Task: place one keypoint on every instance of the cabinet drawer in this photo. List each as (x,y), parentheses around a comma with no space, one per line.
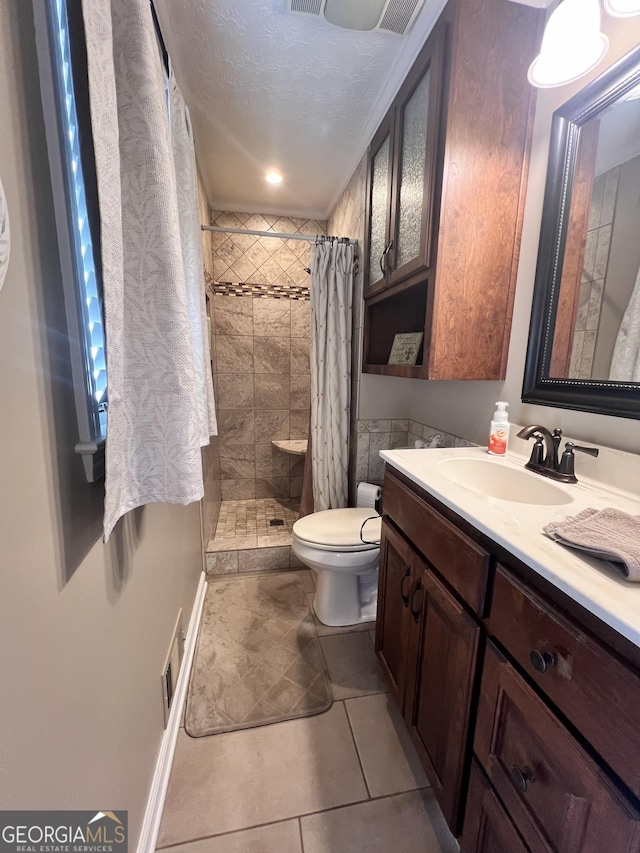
(595,690)
(460,561)
(487,827)
(558,797)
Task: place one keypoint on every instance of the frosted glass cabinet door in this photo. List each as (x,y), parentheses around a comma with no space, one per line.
(411,175)
(403,162)
(380,209)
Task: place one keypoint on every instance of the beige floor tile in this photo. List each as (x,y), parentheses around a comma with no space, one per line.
(388,757)
(330,630)
(406,823)
(307,580)
(241,779)
(353,667)
(275,838)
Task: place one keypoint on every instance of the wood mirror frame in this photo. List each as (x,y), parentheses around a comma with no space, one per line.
(590,395)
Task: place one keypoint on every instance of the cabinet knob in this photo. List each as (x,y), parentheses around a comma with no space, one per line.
(417,588)
(521,778)
(407,573)
(541,661)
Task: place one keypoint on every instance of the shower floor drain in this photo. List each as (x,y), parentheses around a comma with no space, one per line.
(276,522)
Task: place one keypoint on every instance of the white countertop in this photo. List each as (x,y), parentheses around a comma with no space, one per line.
(518,527)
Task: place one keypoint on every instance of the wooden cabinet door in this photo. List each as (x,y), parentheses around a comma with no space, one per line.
(487,828)
(417,131)
(438,711)
(396,582)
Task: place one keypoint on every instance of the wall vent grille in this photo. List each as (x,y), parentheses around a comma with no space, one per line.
(398,15)
(310,7)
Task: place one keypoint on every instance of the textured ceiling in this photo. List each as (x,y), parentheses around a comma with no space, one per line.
(270,89)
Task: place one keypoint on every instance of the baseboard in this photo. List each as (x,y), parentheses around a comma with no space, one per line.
(155,803)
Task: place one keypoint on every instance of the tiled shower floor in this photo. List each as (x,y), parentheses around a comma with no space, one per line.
(245,541)
(245,518)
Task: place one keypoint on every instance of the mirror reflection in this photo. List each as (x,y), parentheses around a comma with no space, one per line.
(597,329)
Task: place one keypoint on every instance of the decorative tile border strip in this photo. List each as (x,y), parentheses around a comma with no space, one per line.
(274,291)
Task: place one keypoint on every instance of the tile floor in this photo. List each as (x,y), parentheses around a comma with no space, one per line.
(240,519)
(346,781)
(244,540)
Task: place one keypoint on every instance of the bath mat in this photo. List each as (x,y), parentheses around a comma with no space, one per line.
(258,658)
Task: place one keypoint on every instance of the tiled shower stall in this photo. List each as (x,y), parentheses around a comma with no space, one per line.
(260,325)
(259,305)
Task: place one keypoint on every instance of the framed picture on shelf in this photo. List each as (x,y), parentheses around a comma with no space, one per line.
(405,348)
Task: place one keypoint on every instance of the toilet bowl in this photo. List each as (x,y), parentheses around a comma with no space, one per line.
(343,547)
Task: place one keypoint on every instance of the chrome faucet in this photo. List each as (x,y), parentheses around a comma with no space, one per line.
(544,460)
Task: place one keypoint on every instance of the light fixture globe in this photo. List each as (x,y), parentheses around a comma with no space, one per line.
(572,44)
(622,8)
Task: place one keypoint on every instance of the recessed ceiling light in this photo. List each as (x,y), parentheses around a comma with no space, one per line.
(273,177)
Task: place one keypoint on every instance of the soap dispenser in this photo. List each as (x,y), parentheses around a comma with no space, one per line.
(499,432)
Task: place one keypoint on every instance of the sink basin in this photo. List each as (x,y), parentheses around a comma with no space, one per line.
(495,479)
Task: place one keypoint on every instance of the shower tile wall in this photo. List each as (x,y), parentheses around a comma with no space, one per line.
(262,260)
(262,354)
(376,435)
(596,259)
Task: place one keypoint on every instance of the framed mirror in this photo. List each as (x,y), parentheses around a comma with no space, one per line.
(584,339)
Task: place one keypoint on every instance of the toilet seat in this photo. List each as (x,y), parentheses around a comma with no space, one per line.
(339,529)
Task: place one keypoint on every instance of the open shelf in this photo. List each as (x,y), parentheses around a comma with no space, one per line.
(391,314)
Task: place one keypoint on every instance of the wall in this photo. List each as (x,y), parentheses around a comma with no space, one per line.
(464,408)
(84,627)
(261,323)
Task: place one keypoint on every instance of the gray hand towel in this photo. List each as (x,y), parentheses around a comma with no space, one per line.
(608,533)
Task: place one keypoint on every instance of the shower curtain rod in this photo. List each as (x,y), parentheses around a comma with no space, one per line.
(268,234)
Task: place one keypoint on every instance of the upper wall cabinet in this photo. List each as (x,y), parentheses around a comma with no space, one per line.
(447,178)
(401,174)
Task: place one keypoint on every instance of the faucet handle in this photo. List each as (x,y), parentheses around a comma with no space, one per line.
(590,451)
(566,467)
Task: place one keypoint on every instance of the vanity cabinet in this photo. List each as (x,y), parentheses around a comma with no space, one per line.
(526,721)
(445,196)
(428,634)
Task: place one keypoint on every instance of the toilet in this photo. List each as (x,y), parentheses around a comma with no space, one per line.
(331,543)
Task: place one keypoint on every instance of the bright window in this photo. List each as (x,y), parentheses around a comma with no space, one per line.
(63,82)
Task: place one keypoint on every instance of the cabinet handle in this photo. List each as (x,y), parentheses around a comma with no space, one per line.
(405,598)
(541,661)
(383,258)
(417,588)
(521,778)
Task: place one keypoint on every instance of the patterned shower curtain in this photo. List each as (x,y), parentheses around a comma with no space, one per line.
(331,310)
(159,382)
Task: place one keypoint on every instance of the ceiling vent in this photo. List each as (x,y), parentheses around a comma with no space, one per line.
(395,16)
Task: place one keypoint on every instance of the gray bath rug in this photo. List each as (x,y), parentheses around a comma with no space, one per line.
(257,659)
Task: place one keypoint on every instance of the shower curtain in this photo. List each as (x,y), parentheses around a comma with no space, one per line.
(331,311)
(159,382)
(625,362)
